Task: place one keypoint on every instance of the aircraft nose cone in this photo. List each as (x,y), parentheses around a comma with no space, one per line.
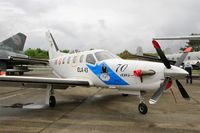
(175,73)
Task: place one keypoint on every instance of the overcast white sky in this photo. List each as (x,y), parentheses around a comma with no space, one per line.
(114,25)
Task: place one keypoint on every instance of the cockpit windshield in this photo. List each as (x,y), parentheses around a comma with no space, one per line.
(103,55)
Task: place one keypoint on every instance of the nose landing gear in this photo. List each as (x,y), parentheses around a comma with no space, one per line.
(142,107)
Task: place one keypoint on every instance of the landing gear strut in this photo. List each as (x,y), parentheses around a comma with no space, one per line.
(52,99)
(142,107)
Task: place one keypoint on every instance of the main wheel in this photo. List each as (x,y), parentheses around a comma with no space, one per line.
(125,95)
(52,101)
(21,73)
(142,108)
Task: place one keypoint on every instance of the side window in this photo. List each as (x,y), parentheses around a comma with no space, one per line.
(68,60)
(90,59)
(63,60)
(81,59)
(188,57)
(74,59)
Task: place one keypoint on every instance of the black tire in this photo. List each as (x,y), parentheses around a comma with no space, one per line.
(125,95)
(143,109)
(21,73)
(52,101)
(12,73)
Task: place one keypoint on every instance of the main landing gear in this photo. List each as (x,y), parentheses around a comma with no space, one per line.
(52,99)
(142,107)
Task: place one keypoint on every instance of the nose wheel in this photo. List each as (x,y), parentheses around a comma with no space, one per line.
(142,108)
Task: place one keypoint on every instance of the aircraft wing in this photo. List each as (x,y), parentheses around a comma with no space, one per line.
(41,82)
(193,37)
(25,61)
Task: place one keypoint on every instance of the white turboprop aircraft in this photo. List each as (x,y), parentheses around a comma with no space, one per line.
(100,68)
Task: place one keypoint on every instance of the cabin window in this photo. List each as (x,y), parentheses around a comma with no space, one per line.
(90,59)
(63,60)
(81,59)
(189,58)
(68,60)
(74,59)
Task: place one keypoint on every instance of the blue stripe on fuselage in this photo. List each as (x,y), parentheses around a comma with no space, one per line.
(111,78)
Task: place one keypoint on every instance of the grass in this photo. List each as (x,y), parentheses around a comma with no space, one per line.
(195,71)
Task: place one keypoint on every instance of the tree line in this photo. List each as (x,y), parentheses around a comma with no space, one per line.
(40,53)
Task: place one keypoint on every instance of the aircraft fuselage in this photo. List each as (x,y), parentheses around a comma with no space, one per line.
(110,73)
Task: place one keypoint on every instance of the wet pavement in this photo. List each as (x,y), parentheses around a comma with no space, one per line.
(96,110)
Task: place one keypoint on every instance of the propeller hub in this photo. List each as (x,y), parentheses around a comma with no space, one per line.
(175,72)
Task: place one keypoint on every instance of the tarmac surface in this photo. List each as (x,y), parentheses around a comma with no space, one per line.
(95,110)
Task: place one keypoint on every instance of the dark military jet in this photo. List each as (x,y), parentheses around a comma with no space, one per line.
(12,58)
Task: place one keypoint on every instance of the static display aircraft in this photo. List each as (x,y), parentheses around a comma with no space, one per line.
(193,57)
(12,58)
(100,68)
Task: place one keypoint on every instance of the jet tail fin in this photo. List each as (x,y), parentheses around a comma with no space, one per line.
(53,48)
(16,42)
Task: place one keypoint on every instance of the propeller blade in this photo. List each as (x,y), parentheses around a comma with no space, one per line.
(159,92)
(183,56)
(182,90)
(161,54)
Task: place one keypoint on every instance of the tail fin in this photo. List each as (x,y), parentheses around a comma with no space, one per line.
(53,48)
(16,42)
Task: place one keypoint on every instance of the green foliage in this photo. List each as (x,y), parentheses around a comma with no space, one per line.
(37,53)
(195,44)
(125,54)
(65,51)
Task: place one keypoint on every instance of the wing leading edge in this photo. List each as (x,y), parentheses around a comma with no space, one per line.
(41,82)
